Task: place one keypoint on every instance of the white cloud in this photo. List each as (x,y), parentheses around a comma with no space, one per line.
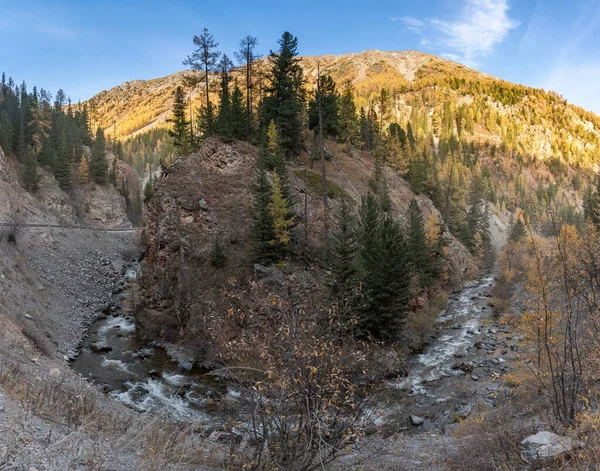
(482,25)
(424,42)
(411,23)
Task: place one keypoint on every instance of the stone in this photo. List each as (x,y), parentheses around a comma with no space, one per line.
(416,420)
(269,275)
(475,377)
(154,374)
(185,365)
(100,347)
(545,445)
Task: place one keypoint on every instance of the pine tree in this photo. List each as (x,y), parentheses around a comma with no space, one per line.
(284,96)
(84,170)
(476,232)
(224,125)
(217,253)
(246,56)
(274,157)
(281,217)
(378,185)
(62,163)
(518,231)
(417,242)
(98,164)
(239,116)
(149,189)
(205,58)
(30,175)
(180,132)
(342,253)
(349,131)
(329,98)
(383,271)
(262,226)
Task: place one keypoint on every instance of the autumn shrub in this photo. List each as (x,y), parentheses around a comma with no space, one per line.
(303,382)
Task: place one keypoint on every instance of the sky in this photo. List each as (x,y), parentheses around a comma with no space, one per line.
(86,46)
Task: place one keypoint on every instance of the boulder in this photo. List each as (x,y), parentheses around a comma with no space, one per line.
(185,365)
(269,275)
(100,347)
(545,445)
(416,420)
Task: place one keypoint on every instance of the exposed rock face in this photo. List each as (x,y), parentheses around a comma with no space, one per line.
(545,445)
(55,200)
(102,205)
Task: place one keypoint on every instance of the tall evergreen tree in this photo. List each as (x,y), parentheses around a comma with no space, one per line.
(239,116)
(342,252)
(205,58)
(384,272)
(284,95)
(349,131)
(329,101)
(262,226)
(417,242)
(246,56)
(224,125)
(99,164)
(180,132)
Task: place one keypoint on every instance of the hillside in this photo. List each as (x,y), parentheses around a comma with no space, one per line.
(532,122)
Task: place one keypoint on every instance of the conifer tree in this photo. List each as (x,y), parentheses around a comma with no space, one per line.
(284,95)
(224,124)
(30,175)
(99,164)
(417,242)
(217,253)
(518,231)
(281,217)
(84,170)
(205,58)
(246,56)
(180,132)
(349,130)
(149,189)
(378,185)
(342,252)
(62,164)
(239,116)
(262,226)
(329,102)
(384,272)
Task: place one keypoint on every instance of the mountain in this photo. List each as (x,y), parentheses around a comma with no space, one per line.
(532,122)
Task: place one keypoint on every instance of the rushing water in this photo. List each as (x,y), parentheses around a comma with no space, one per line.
(146,378)
(456,326)
(140,375)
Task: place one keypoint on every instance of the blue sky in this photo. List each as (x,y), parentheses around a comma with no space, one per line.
(87,46)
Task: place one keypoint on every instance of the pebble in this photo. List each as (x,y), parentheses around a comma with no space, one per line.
(475,377)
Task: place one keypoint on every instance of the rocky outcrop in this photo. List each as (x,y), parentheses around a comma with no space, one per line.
(102,205)
(544,446)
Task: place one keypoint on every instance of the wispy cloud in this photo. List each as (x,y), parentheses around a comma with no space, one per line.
(482,25)
(410,23)
(58,32)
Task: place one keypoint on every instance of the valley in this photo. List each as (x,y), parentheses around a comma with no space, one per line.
(376,261)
